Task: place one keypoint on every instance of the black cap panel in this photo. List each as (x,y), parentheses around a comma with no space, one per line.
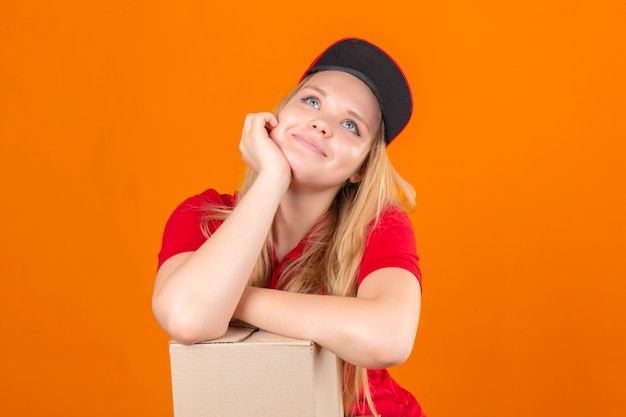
(379,71)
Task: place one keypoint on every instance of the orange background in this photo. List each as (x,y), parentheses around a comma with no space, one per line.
(112,112)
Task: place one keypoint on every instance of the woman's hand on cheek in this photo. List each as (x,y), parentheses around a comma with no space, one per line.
(258,150)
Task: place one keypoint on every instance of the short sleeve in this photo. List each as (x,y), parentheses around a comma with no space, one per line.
(183,230)
(390,243)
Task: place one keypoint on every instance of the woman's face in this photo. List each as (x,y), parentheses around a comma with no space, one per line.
(326,129)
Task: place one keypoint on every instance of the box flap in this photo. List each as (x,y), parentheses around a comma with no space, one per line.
(233,335)
(267,338)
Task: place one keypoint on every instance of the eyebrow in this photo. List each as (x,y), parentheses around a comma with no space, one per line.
(352,113)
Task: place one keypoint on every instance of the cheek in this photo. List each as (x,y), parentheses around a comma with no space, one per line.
(286,119)
(289,114)
(350,160)
(352,150)
(360,157)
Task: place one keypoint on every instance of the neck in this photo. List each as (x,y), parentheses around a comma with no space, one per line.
(296,216)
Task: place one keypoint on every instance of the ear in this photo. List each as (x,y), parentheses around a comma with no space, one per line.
(355,178)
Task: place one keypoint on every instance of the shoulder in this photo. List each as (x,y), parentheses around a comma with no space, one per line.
(193,209)
(390,243)
(208,198)
(393,220)
(183,230)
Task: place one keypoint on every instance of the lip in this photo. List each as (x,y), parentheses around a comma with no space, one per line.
(309,143)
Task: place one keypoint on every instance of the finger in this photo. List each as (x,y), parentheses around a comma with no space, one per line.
(272,121)
(248,123)
(266,121)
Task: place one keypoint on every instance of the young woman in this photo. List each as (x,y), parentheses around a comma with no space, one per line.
(316,244)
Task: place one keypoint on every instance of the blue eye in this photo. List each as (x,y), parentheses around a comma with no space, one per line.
(351,126)
(312,101)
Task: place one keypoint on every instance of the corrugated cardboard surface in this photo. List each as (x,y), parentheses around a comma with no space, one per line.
(249,373)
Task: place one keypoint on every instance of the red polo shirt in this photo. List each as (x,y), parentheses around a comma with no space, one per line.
(390,244)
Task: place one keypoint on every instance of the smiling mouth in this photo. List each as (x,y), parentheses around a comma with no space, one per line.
(310,144)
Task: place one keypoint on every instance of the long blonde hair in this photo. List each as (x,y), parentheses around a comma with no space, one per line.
(332,255)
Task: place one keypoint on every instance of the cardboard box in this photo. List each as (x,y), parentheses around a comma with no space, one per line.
(255,373)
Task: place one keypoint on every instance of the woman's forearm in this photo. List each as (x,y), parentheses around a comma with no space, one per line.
(372,332)
(195,297)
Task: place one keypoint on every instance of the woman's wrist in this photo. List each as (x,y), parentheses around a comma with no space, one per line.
(278,179)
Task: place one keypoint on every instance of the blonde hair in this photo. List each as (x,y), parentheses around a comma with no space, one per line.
(332,255)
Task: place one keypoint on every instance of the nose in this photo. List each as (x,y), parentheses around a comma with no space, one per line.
(321,126)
